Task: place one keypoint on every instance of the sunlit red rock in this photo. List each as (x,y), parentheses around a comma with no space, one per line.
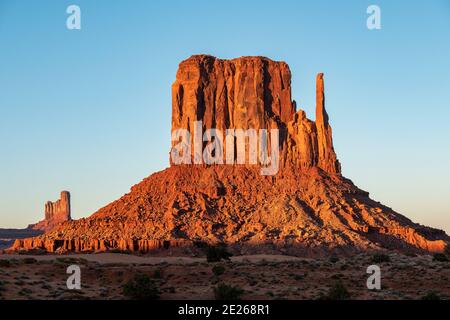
(308,207)
(55,212)
(252,93)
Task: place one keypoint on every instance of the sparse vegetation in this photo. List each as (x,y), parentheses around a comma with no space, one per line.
(447,249)
(299,277)
(25,292)
(29,261)
(5,263)
(380,258)
(440,257)
(338,292)
(217,253)
(334,259)
(227,292)
(141,287)
(157,274)
(431,296)
(218,270)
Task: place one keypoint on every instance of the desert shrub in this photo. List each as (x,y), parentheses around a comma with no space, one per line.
(200,244)
(157,274)
(25,292)
(431,296)
(217,253)
(338,292)
(218,270)
(440,257)
(5,263)
(29,260)
(227,292)
(299,276)
(380,257)
(447,249)
(334,259)
(141,287)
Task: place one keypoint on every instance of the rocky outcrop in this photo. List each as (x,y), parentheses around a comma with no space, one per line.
(307,208)
(60,209)
(96,245)
(299,212)
(55,212)
(252,93)
(326,156)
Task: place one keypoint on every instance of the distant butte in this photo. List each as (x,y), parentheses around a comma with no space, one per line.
(55,212)
(308,208)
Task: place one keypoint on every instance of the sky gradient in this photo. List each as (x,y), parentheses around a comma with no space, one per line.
(89,110)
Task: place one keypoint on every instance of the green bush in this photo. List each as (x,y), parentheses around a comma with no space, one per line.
(440,257)
(380,257)
(227,292)
(218,270)
(216,254)
(338,292)
(431,296)
(141,287)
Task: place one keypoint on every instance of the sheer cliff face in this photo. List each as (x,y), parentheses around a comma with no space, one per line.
(59,210)
(55,212)
(253,93)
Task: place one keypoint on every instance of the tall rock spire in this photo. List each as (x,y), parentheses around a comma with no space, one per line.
(327,159)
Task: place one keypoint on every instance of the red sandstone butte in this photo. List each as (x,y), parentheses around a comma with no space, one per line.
(55,212)
(307,208)
(252,92)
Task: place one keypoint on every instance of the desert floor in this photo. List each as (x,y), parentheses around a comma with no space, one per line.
(260,276)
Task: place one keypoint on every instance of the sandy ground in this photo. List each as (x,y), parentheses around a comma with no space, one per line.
(104,275)
(104,258)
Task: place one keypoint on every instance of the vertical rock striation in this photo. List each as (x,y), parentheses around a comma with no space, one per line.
(55,212)
(252,93)
(60,209)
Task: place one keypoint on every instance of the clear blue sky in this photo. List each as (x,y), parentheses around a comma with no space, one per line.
(89,110)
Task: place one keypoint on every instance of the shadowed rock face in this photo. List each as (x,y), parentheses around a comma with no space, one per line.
(307,208)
